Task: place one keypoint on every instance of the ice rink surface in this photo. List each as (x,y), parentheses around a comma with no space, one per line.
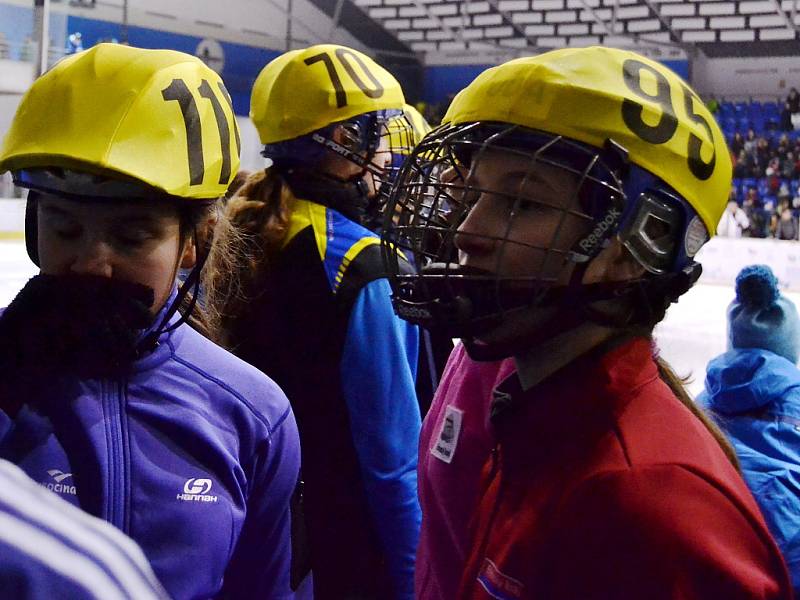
(692,334)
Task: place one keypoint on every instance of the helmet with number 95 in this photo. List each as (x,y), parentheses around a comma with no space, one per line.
(583,145)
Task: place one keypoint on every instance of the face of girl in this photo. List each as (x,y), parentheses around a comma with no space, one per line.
(520,225)
(135,242)
(345,169)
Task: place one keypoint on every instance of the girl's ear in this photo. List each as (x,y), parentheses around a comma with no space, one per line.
(189,256)
(204,234)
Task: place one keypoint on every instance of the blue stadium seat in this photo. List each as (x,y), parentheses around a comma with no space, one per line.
(726,109)
(771,110)
(748,182)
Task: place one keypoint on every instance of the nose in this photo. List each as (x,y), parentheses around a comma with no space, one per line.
(474,235)
(93,258)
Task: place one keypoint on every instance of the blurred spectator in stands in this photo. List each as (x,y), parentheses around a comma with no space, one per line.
(793,101)
(773,175)
(763,154)
(74,43)
(783,146)
(737,143)
(742,164)
(788,166)
(733,221)
(756,216)
(786,118)
(750,141)
(793,105)
(27,51)
(784,224)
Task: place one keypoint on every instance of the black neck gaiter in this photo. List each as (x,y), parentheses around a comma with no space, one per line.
(73,325)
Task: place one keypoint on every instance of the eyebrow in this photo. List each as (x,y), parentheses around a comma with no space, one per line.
(523,177)
(122,218)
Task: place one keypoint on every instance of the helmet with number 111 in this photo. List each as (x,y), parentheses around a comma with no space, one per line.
(568,150)
(123,124)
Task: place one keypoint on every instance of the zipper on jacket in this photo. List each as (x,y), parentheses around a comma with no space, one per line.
(113,400)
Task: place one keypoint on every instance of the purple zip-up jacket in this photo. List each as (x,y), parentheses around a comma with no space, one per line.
(195,456)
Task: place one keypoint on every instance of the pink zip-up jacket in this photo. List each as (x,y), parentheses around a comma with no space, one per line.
(454,445)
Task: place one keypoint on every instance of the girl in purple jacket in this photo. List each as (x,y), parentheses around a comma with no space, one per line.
(107,396)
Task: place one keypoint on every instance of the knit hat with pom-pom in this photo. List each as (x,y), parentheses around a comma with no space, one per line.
(760,317)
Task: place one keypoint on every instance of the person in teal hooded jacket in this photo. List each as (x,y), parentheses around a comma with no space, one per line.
(754,391)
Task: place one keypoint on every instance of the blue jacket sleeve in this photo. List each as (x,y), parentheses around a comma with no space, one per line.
(378,373)
(261,561)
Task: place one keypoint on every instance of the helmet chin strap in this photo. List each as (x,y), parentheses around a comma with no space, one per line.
(190,284)
(640,303)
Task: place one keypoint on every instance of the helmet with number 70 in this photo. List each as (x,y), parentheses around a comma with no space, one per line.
(325,101)
(573,147)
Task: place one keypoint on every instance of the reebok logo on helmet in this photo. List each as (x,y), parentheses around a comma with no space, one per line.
(590,242)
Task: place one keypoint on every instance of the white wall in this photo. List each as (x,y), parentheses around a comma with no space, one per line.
(740,78)
(251,146)
(15,78)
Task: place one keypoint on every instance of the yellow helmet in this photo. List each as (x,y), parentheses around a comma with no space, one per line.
(158,117)
(642,163)
(305,90)
(407,130)
(593,94)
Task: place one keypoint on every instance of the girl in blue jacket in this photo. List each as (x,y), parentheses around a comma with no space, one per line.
(107,396)
(754,389)
(308,303)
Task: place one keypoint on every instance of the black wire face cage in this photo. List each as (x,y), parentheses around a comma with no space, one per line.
(396,140)
(543,205)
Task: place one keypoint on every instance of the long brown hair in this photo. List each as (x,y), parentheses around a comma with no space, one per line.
(248,235)
(678,387)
